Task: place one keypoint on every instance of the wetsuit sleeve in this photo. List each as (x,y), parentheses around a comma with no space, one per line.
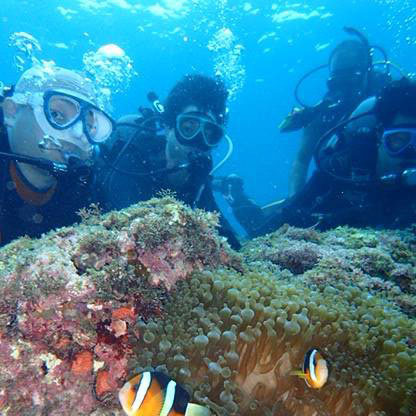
(299,210)
(248,214)
(207,202)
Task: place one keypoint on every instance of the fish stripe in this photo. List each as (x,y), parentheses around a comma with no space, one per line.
(194,409)
(153,401)
(142,390)
(312,366)
(169,398)
(127,394)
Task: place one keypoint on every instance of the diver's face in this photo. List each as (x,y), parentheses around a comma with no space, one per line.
(348,75)
(395,164)
(178,150)
(346,82)
(25,136)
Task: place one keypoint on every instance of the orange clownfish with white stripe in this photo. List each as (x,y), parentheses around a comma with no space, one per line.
(152,393)
(315,369)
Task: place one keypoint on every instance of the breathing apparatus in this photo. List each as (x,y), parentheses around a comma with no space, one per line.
(62,102)
(304,114)
(58,130)
(353,144)
(151,121)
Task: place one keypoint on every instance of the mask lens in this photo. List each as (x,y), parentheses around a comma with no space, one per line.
(397,141)
(97,125)
(189,126)
(344,80)
(213,133)
(61,111)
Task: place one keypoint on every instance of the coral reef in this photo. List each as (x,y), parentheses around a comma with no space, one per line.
(154,287)
(69,302)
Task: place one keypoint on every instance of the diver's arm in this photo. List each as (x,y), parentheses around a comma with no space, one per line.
(246,211)
(303,159)
(207,202)
(249,215)
(300,210)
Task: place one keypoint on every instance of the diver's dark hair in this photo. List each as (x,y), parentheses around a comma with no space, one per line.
(398,97)
(207,93)
(353,48)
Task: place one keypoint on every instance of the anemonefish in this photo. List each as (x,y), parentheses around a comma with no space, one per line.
(315,369)
(152,393)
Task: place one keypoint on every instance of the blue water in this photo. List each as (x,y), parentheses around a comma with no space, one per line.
(280,41)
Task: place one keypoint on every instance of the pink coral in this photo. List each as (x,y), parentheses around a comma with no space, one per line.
(167,264)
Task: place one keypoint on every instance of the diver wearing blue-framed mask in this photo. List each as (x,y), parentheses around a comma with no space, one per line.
(52,124)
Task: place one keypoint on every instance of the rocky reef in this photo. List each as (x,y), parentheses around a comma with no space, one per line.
(154,287)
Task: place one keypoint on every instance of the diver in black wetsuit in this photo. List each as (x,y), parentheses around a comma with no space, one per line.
(50,124)
(168,148)
(352,78)
(366,169)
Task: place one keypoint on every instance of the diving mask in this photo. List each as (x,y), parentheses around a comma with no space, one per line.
(345,80)
(400,140)
(198,130)
(67,116)
(63,110)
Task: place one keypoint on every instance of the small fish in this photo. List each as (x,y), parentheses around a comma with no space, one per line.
(152,393)
(315,369)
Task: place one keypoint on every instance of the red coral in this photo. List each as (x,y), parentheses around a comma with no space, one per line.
(82,363)
(103,384)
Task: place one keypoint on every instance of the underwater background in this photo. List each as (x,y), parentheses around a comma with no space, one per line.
(261,48)
(85,308)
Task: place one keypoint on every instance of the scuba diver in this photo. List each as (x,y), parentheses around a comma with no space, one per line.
(50,124)
(168,147)
(366,169)
(352,78)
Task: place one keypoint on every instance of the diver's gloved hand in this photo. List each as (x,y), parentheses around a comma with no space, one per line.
(300,117)
(295,120)
(231,186)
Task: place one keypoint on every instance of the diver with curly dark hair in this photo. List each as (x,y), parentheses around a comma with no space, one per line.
(168,147)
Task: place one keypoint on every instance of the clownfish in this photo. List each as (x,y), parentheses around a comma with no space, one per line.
(314,370)
(152,393)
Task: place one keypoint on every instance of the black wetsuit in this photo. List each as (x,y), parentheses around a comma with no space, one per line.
(24,210)
(145,160)
(337,106)
(326,202)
